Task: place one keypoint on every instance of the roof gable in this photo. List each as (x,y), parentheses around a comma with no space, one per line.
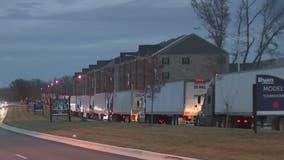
(191,44)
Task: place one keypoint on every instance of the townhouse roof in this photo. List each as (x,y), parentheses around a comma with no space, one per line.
(148,49)
(125,56)
(190,44)
(128,54)
(101,63)
(85,70)
(93,66)
(76,74)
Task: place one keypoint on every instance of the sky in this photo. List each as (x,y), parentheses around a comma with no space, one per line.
(45,39)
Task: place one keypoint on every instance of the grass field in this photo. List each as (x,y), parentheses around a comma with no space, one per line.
(196,142)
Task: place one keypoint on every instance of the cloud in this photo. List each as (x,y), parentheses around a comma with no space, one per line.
(47,38)
(40,8)
(6,58)
(100,28)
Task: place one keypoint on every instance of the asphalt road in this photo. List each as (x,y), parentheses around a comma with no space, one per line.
(14,146)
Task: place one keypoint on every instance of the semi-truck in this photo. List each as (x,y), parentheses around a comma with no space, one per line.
(102,105)
(176,102)
(127,105)
(98,106)
(232,101)
(74,106)
(79,104)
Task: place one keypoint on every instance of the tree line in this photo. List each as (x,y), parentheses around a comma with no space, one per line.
(21,89)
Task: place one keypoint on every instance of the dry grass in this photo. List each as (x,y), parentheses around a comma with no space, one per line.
(196,142)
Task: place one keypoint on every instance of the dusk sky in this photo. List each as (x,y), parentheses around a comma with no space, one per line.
(51,38)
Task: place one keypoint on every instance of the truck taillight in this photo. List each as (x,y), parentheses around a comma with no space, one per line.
(246,121)
(185,116)
(161,121)
(238,121)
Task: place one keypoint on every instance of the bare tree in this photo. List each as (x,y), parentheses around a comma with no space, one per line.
(272,26)
(153,77)
(215,16)
(66,85)
(267,22)
(238,40)
(244,40)
(26,88)
(248,22)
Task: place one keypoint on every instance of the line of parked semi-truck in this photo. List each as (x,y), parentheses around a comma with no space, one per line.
(174,103)
(226,100)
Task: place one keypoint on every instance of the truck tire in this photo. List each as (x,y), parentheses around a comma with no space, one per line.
(127,119)
(220,123)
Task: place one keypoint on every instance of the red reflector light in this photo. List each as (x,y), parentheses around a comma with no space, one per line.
(199,80)
(238,121)
(161,121)
(246,121)
(185,116)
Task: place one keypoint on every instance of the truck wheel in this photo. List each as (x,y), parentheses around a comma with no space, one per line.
(127,119)
(220,122)
(281,124)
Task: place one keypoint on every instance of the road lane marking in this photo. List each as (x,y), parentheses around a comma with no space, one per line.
(21,156)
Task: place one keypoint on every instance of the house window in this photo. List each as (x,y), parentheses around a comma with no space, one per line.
(165,60)
(165,75)
(185,60)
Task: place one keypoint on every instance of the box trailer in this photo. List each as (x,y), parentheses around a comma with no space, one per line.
(101,105)
(176,102)
(73,105)
(127,105)
(230,99)
(85,106)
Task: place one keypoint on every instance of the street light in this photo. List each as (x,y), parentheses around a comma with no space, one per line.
(79,78)
(55,84)
(82,109)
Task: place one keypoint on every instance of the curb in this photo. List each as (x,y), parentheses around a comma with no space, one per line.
(129,152)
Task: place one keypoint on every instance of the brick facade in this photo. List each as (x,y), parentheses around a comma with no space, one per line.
(184,58)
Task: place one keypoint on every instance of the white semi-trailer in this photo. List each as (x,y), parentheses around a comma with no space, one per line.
(231,97)
(73,104)
(127,105)
(101,105)
(176,102)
